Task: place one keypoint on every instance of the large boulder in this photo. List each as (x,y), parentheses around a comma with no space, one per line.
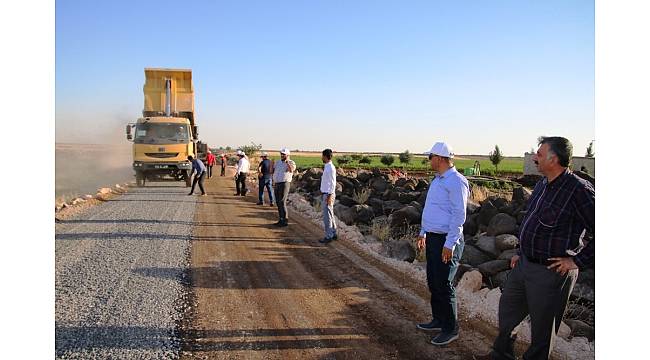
(348,185)
(313,173)
(344,214)
(379,184)
(493,267)
(471,281)
(487,212)
(404,197)
(487,244)
(408,215)
(362,213)
(416,205)
(347,200)
(581,329)
(507,255)
(471,225)
(423,198)
(521,195)
(500,203)
(422,185)
(377,205)
(472,207)
(473,256)
(499,279)
(400,250)
(364,175)
(502,224)
(506,242)
(585,292)
(391,206)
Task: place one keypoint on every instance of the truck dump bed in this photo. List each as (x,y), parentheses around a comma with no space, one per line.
(182,93)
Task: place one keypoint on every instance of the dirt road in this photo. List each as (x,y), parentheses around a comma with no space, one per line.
(263,292)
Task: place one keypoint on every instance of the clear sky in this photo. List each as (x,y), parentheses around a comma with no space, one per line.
(350,75)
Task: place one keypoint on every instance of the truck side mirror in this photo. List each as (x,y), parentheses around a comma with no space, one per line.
(128,133)
(196,132)
(129,137)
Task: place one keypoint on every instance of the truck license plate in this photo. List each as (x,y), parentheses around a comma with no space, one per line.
(160,166)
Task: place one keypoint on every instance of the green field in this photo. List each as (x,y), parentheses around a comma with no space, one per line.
(508,165)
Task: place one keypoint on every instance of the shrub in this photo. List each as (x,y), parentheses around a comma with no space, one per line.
(362,196)
(380,229)
(405,157)
(425,160)
(387,159)
(356,157)
(251,150)
(365,160)
(342,160)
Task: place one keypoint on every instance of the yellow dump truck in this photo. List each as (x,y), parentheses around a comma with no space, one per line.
(167,132)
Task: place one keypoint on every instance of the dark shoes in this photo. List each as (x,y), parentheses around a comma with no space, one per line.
(325,240)
(260,203)
(271,204)
(444,338)
(281,223)
(434,325)
(237,194)
(190,194)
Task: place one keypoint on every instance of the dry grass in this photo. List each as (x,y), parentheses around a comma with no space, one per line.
(381,230)
(362,196)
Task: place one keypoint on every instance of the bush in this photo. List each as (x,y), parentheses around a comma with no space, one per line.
(425,160)
(356,157)
(387,159)
(405,157)
(365,160)
(342,160)
(251,150)
(381,230)
(362,196)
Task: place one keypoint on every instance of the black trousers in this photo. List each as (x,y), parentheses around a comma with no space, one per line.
(223,170)
(532,289)
(198,179)
(281,194)
(209,171)
(440,279)
(240,184)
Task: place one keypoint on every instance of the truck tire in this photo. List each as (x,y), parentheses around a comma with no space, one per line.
(188,181)
(139,179)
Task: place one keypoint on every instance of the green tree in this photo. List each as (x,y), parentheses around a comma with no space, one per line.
(405,157)
(342,160)
(496,156)
(356,157)
(387,159)
(590,150)
(251,150)
(365,160)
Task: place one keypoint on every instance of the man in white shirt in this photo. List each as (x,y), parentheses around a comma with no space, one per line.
(328,189)
(282,174)
(442,236)
(243,166)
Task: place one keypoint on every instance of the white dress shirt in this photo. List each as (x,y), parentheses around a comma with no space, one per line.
(328,180)
(243,166)
(280,173)
(445,208)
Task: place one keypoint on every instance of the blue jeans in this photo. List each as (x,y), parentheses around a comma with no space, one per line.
(268,185)
(328,218)
(440,278)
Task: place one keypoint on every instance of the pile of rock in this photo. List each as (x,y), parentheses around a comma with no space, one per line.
(490,229)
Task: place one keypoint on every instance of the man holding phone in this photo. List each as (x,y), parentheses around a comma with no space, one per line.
(282,175)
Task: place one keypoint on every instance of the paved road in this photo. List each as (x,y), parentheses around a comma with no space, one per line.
(108,302)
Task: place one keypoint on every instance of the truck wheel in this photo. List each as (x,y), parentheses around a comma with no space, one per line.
(139,179)
(188,181)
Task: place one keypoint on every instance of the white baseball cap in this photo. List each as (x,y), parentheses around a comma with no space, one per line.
(441,149)
(240,153)
(264,154)
(285,151)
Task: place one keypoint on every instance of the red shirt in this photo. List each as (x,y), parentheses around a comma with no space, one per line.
(210,159)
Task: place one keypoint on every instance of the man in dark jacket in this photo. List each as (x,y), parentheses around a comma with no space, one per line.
(198,169)
(265,171)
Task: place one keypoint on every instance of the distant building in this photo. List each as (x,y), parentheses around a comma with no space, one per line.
(577,162)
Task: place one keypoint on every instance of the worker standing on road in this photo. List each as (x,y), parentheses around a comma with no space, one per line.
(282,174)
(265,172)
(210,158)
(442,236)
(224,160)
(243,167)
(198,169)
(328,189)
(551,251)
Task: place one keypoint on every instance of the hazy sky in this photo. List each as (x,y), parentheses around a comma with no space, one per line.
(350,75)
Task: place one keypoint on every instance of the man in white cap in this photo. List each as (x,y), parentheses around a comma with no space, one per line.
(243,166)
(264,171)
(282,175)
(442,236)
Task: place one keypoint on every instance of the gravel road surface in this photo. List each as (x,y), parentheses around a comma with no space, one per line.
(110,303)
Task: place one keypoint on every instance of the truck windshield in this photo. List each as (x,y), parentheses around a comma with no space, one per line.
(161,133)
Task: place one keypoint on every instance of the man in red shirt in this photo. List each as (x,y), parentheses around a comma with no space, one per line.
(210,160)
